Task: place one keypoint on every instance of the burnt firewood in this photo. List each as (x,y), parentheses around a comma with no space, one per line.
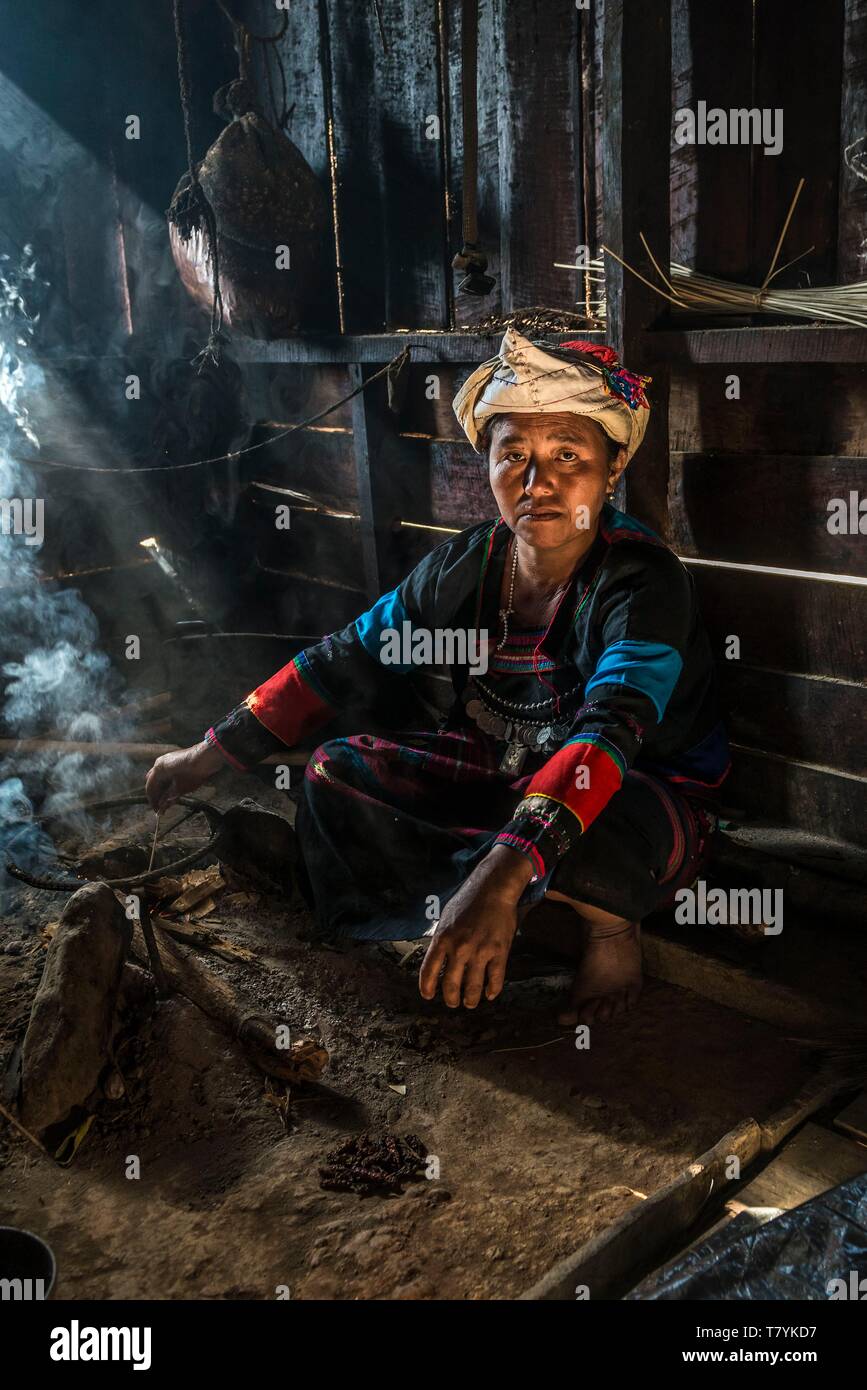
(260,1034)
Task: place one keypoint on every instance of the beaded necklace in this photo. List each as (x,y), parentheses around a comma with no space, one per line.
(536,725)
(506,613)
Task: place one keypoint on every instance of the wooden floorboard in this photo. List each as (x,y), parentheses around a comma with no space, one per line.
(853,1120)
(814,1161)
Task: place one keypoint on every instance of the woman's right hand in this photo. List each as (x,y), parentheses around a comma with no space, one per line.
(180,772)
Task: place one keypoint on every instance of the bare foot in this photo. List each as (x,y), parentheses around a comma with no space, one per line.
(609,976)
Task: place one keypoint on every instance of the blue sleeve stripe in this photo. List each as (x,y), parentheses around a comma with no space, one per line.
(389,612)
(650,667)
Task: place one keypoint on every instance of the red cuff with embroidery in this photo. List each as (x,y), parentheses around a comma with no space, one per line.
(582,776)
(562,799)
(288,704)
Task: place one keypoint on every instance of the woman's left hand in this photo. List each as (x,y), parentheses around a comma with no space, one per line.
(475,933)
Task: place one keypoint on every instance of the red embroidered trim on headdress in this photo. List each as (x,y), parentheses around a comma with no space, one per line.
(620,382)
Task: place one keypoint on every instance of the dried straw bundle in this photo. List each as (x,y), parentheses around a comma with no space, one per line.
(689,289)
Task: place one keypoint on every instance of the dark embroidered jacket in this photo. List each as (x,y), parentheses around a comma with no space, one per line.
(625,659)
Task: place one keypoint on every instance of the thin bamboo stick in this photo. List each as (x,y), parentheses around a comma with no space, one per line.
(695,292)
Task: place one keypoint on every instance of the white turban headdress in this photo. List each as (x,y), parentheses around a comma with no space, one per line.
(531,379)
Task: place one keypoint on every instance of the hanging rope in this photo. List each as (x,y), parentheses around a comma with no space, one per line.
(394,370)
(471,258)
(190,208)
(257,38)
(281,115)
(269,44)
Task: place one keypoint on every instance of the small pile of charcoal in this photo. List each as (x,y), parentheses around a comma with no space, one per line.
(368,1164)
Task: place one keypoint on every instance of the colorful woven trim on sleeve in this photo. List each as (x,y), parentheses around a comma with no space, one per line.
(287,704)
(582,776)
(214,742)
(506,837)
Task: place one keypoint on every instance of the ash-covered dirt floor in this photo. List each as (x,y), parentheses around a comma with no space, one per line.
(540,1145)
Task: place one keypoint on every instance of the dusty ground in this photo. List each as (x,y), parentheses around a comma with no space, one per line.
(540,1146)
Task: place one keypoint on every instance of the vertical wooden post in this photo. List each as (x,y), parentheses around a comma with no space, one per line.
(538,72)
(852,213)
(636,142)
(365,441)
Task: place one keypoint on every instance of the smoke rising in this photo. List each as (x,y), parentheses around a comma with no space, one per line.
(56,680)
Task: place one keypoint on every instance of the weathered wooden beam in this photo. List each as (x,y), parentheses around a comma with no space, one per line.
(797,793)
(814,1161)
(709,519)
(236,1013)
(811,626)
(366,437)
(138,752)
(780,343)
(811,718)
(609,1264)
(790,46)
(744,990)
(636,140)
(604,1264)
(853,1120)
(852,205)
(821,879)
(470,308)
(711,185)
(388,188)
(56,748)
(539,150)
(315,349)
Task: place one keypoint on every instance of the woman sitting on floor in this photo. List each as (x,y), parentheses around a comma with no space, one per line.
(583,750)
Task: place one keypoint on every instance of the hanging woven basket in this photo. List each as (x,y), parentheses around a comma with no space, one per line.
(265,197)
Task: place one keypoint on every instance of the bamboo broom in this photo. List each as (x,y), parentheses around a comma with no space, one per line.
(691,290)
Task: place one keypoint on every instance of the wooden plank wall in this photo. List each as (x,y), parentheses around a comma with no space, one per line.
(852,211)
(796,690)
(703,177)
(397,150)
(751,478)
(729,201)
(397,208)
